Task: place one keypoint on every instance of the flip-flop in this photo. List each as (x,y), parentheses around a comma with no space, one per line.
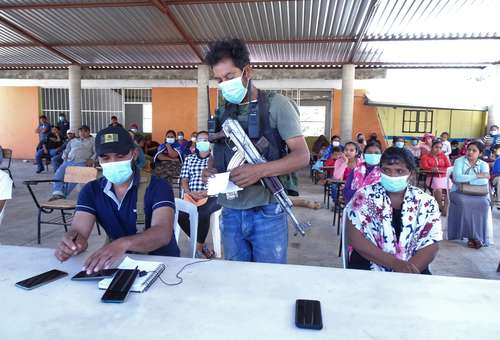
(209,253)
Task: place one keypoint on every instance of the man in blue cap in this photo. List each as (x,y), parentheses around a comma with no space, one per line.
(118,201)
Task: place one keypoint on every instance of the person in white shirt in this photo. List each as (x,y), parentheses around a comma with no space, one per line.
(5,192)
(446,144)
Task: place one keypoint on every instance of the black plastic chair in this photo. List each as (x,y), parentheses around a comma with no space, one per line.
(63,208)
(7,155)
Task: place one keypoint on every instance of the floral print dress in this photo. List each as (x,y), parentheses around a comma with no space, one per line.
(370,212)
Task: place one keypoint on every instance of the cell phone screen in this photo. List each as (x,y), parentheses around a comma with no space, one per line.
(95,276)
(41,279)
(308,314)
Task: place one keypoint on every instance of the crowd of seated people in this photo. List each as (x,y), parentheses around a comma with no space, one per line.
(469,174)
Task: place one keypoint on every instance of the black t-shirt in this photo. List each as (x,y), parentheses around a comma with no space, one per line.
(52,142)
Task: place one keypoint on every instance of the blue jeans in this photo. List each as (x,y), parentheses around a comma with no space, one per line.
(61,188)
(57,161)
(258,235)
(38,157)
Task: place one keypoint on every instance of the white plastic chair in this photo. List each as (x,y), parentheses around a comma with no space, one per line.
(216,235)
(192,210)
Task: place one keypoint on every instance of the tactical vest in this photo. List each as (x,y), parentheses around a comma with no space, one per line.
(256,125)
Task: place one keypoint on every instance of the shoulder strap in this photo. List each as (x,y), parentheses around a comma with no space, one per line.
(144,181)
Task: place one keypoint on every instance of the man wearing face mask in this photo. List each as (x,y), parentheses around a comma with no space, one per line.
(491,139)
(254,225)
(120,200)
(392,225)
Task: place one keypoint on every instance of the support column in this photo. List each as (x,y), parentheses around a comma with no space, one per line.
(203,107)
(75,108)
(347,104)
(494,107)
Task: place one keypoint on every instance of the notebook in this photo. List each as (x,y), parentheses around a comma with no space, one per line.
(141,284)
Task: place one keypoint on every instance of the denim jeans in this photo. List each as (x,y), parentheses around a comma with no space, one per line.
(38,157)
(57,161)
(258,235)
(61,188)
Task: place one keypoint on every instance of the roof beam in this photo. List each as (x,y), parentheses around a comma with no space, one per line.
(35,40)
(364,26)
(274,64)
(249,42)
(76,5)
(168,13)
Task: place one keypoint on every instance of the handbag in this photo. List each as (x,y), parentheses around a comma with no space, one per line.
(473,190)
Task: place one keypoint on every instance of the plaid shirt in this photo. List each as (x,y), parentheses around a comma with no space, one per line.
(191,169)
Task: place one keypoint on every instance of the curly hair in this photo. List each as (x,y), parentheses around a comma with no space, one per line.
(235,49)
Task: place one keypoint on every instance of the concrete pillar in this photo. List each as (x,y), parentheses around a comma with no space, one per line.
(494,107)
(75,105)
(347,104)
(203,107)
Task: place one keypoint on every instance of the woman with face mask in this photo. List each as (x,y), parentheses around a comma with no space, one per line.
(392,225)
(435,165)
(168,160)
(195,191)
(365,174)
(470,214)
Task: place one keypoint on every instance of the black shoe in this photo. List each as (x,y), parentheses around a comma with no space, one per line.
(39,171)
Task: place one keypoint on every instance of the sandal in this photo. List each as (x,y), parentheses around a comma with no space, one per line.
(477,244)
(209,253)
(471,244)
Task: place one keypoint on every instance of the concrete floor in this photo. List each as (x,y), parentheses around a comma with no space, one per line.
(318,248)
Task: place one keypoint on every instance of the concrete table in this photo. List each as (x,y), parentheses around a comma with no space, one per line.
(234,300)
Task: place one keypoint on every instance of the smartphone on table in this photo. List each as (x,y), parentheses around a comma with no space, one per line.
(41,279)
(102,274)
(120,286)
(308,314)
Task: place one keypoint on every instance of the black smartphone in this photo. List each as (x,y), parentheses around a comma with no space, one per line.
(102,274)
(41,279)
(120,286)
(308,314)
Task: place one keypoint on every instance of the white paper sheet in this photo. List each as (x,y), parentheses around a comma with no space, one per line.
(220,184)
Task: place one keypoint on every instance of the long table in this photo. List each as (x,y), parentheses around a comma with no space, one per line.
(235,300)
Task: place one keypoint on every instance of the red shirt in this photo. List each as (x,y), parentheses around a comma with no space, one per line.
(329,162)
(429,162)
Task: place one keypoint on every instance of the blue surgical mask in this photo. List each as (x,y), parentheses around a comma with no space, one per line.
(170,140)
(414,142)
(233,90)
(117,172)
(400,145)
(493,132)
(203,146)
(394,184)
(372,158)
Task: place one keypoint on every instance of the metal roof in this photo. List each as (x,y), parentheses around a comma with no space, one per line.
(296,33)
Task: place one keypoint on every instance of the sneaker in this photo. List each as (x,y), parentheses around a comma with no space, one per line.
(56,197)
(39,171)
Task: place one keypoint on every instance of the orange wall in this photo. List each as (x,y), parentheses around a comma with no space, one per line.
(19,110)
(365,118)
(175,108)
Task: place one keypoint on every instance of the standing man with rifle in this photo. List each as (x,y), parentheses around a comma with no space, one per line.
(254,226)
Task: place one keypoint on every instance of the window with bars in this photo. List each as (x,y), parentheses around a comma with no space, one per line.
(417,121)
(98,105)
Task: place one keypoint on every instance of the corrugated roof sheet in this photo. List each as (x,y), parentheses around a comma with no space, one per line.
(435,18)
(295,31)
(272,20)
(7,36)
(77,25)
(131,54)
(28,55)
